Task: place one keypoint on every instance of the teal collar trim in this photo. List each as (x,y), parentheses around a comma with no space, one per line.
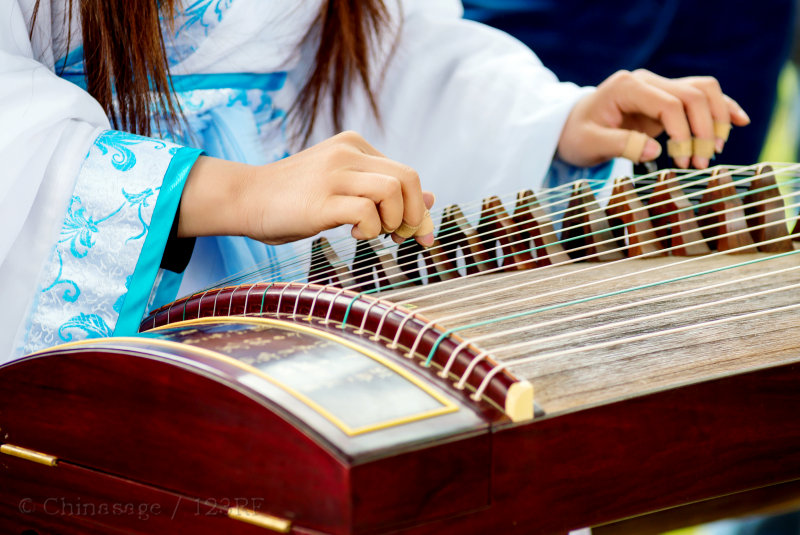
(271,81)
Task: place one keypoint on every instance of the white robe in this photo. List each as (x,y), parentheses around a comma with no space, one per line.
(470,108)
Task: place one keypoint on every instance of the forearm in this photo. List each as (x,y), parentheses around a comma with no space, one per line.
(212,198)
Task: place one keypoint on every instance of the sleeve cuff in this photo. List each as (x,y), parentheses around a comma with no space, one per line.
(161,223)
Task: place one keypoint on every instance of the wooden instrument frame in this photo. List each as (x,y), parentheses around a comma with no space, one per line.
(194,440)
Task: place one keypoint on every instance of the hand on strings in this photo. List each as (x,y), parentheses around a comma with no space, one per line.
(629,109)
(341,181)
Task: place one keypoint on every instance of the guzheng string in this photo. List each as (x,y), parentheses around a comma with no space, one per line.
(592,298)
(678,186)
(517,274)
(447,304)
(593,347)
(299,262)
(559,242)
(356,268)
(544,268)
(532,327)
(701,258)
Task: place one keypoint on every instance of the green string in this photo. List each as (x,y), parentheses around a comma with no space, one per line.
(263,298)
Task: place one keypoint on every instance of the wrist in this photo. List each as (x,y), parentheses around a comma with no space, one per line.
(213,197)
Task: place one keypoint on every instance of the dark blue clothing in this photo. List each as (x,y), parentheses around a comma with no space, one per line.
(742,43)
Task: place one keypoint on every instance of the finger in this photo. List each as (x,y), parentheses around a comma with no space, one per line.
(718,106)
(630,144)
(697,108)
(360,212)
(656,103)
(413,203)
(424,234)
(738,115)
(639,147)
(384,191)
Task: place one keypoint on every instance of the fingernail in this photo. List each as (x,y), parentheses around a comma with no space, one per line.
(426,240)
(397,239)
(651,151)
(719,144)
(682,162)
(701,163)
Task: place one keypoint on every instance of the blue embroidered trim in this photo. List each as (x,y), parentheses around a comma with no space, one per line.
(141,283)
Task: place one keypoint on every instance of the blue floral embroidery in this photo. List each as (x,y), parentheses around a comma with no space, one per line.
(139,200)
(93,325)
(72,293)
(123,158)
(111,190)
(78,229)
(196,13)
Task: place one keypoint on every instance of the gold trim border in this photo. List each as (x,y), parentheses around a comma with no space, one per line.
(448,406)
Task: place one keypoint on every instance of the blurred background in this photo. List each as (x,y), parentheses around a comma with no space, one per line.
(749,46)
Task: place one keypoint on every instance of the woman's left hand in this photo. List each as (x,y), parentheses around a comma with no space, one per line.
(609,122)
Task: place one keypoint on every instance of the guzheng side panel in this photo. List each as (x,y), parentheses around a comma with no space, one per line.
(190,425)
(656,451)
(159,424)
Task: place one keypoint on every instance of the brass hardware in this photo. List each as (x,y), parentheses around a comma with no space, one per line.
(281,525)
(28,455)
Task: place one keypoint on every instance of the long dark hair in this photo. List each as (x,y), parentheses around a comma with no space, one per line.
(124,56)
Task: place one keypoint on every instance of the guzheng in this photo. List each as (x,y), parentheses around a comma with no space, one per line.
(552,362)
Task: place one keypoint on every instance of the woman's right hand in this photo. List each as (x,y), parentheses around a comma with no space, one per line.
(342,180)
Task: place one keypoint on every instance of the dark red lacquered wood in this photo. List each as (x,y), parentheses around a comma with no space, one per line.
(180,431)
(631,218)
(766,213)
(70,499)
(550,475)
(722,213)
(674,218)
(169,429)
(457,235)
(586,229)
(531,219)
(497,225)
(295,301)
(639,455)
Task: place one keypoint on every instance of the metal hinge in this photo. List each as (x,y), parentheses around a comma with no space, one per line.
(28,455)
